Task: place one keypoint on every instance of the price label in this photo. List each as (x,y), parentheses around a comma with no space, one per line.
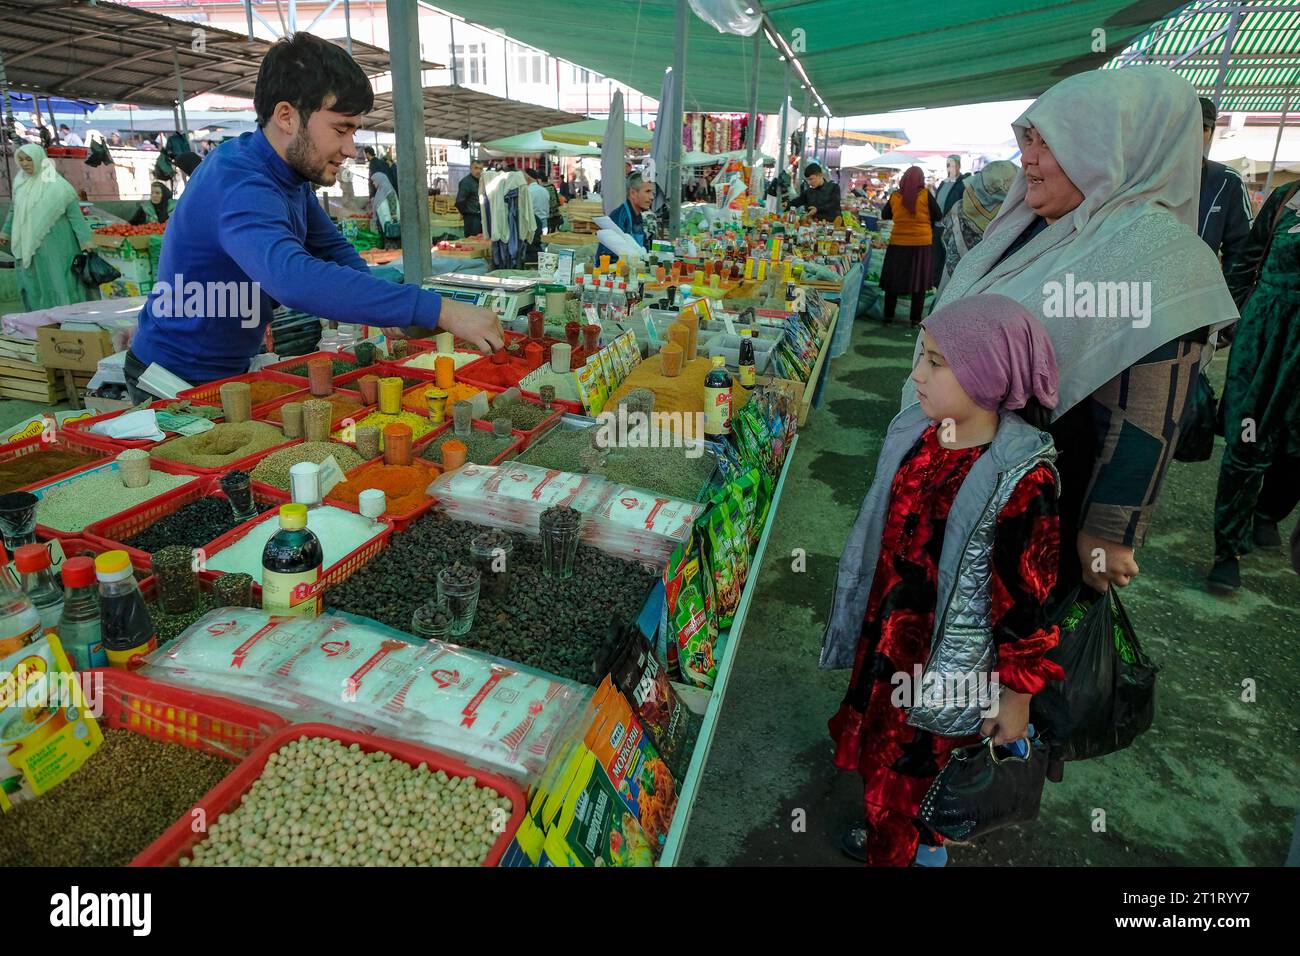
(727,321)
(652,334)
(593,317)
(330,475)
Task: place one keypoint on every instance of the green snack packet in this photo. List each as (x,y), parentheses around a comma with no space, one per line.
(723,563)
(748,494)
(692,627)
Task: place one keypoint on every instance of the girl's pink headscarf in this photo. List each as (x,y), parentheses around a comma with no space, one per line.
(911,185)
(999,352)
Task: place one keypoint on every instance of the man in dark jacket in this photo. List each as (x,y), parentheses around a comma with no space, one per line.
(467,200)
(820,196)
(1224,220)
(948,195)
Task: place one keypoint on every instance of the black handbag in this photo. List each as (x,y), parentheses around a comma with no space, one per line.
(1196,440)
(1109,695)
(92,269)
(983,788)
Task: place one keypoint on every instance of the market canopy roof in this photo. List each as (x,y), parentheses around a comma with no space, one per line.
(1261,41)
(588,131)
(532,144)
(861,59)
(112,53)
(451,112)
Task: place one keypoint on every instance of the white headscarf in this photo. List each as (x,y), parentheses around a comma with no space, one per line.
(39,201)
(380,191)
(1130,140)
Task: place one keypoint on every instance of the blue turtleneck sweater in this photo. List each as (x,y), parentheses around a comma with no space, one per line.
(245,217)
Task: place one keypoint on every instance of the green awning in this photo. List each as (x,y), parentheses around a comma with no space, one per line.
(532,144)
(588,131)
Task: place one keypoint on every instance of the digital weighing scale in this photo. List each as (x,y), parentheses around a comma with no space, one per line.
(508,298)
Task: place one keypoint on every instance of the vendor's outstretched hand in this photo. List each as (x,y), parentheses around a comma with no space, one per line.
(479,327)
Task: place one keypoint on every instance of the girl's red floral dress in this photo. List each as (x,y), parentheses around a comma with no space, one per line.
(897,761)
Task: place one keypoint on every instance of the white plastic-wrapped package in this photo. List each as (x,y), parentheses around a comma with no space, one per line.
(513,495)
(639,525)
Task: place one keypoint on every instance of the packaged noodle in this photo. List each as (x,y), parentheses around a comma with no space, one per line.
(692,626)
(589,389)
(748,494)
(637,672)
(617,361)
(626,343)
(595,825)
(46,731)
(725,561)
(607,369)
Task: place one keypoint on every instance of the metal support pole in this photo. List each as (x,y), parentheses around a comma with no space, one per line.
(347,23)
(248,11)
(505,64)
(780,163)
(408,122)
(452,23)
(1228,39)
(180,95)
(674,130)
(1268,183)
(557,83)
(293,16)
(797,179)
(6,111)
(752,131)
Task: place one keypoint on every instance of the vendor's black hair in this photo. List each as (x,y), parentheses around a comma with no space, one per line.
(369,151)
(306,71)
(812,169)
(1035,413)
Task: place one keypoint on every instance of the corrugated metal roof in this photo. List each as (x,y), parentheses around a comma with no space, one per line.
(111,53)
(1263,63)
(451,112)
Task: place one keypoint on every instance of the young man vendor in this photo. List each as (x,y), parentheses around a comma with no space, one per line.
(249,216)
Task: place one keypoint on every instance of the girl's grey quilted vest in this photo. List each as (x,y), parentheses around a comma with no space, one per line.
(961,647)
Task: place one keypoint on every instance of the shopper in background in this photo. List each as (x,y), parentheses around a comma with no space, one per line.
(629,216)
(68,138)
(251,223)
(819,196)
(1259,477)
(970,446)
(946,196)
(907,269)
(467,203)
(159,207)
(44,230)
(1225,213)
(385,212)
(377,164)
(1108,195)
(541,200)
(981,198)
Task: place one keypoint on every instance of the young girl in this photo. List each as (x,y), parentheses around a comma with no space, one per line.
(948,569)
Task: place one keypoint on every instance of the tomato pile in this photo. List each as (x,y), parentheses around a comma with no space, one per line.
(125,229)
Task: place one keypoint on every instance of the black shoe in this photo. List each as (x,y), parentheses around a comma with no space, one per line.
(889,320)
(854,844)
(1266,533)
(1225,576)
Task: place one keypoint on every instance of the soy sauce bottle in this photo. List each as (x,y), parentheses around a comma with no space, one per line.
(291,566)
(747,365)
(717,399)
(127,630)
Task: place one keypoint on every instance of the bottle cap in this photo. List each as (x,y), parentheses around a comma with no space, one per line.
(746,333)
(78,572)
(292,517)
(113,566)
(31,557)
(719,361)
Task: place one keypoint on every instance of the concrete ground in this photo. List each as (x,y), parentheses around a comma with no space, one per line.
(1212,783)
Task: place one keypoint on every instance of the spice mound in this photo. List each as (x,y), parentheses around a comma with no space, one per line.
(420,424)
(337,367)
(39,465)
(261,391)
(274,468)
(171,626)
(340,532)
(524,416)
(416,398)
(192,526)
(403,485)
(482,447)
(72,505)
(223,445)
(319,802)
(122,799)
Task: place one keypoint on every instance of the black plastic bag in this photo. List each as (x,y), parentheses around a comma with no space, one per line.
(983,788)
(163,168)
(99,154)
(1196,440)
(92,269)
(1109,695)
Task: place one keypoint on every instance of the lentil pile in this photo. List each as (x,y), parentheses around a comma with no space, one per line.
(320,802)
(339,366)
(550,624)
(342,405)
(523,415)
(558,449)
(481,446)
(99,494)
(273,470)
(223,445)
(420,424)
(402,485)
(121,800)
(39,465)
(192,526)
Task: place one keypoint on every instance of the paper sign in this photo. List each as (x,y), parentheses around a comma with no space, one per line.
(330,475)
(546,265)
(593,317)
(564,268)
(727,321)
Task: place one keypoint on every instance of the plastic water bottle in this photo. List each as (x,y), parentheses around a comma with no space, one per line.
(586,291)
(80,630)
(20,623)
(32,562)
(603,298)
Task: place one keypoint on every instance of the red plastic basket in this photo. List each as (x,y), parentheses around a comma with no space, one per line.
(210,394)
(62,440)
(180,838)
(430,344)
(400,521)
(486,373)
(272,408)
(44,531)
(78,545)
(511,451)
(115,531)
(81,427)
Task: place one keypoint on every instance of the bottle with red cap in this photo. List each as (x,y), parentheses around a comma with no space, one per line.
(42,588)
(80,630)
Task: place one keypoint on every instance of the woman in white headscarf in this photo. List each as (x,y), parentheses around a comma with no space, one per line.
(385,217)
(1098,238)
(44,231)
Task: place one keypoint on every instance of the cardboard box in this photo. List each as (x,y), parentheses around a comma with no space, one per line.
(80,351)
(102,406)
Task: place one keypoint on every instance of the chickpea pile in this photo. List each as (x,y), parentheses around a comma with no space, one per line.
(320,802)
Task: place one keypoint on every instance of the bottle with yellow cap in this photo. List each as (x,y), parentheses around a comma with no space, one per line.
(291,566)
(127,631)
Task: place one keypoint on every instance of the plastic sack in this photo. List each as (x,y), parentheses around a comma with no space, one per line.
(1108,697)
(92,269)
(1196,439)
(983,788)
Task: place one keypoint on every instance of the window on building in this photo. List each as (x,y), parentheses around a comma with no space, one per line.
(471,63)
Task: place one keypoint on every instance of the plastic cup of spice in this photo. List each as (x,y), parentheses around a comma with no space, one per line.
(444,371)
(436,399)
(317,416)
(390,395)
(233,590)
(453,454)
(492,552)
(236,402)
(591,338)
(400,348)
(462,414)
(431,621)
(304,483)
(533,354)
(501,428)
(291,419)
(367,440)
(178,585)
(561,357)
(670,357)
(372,503)
(368,386)
(133,468)
(320,376)
(445,342)
(397,444)
(547,394)
(458,586)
